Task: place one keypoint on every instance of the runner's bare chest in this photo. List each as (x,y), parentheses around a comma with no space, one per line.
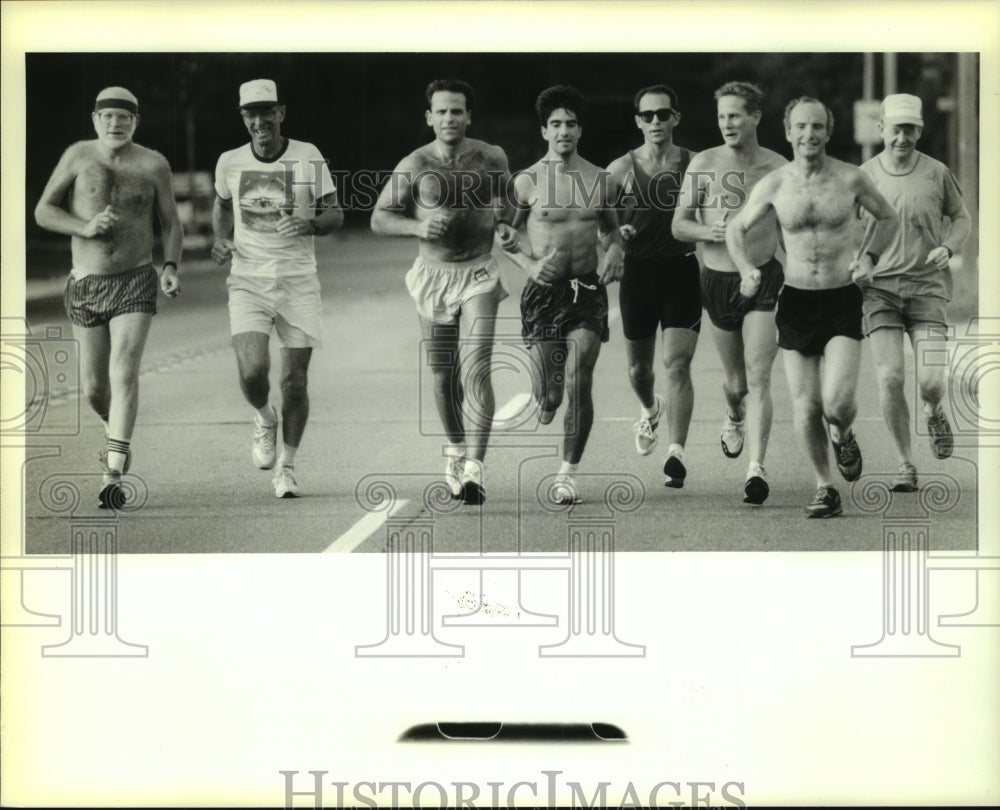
(814,204)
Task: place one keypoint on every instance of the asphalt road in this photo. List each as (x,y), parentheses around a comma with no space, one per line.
(372,419)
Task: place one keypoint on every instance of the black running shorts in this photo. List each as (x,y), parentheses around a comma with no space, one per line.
(808,319)
(660,292)
(726,305)
(551,313)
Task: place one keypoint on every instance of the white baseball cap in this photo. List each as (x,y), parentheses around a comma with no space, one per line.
(902,108)
(258,93)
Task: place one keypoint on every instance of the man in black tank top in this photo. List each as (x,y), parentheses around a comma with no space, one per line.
(660,288)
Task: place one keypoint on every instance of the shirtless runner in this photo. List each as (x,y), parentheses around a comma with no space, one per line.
(719,182)
(819,309)
(111,188)
(449,195)
(564,200)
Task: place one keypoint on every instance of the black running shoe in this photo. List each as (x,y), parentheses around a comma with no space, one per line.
(825,504)
(675,471)
(473,493)
(755,490)
(848,456)
(112,495)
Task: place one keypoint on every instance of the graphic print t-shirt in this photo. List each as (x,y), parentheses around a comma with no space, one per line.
(261,190)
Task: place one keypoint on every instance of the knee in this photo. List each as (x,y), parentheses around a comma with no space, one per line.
(123,377)
(294,386)
(579,384)
(890,382)
(758,377)
(640,373)
(807,407)
(840,411)
(95,387)
(678,368)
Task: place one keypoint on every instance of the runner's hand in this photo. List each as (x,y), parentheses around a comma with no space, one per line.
(433,227)
(862,270)
(544,270)
(614,264)
(100,224)
(719,228)
(507,238)
(938,258)
(222,251)
(293,226)
(627,232)
(170,283)
(750,283)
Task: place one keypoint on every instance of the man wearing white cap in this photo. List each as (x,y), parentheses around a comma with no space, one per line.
(103,194)
(285,197)
(819,307)
(912,283)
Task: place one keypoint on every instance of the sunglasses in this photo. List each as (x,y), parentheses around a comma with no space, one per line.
(663,114)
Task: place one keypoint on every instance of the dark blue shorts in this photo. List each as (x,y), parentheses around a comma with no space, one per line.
(659,293)
(97,298)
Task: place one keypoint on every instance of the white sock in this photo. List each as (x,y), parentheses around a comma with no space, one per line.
(287,457)
(567,468)
(473,468)
(676,450)
(755,469)
(649,412)
(455,450)
(266,415)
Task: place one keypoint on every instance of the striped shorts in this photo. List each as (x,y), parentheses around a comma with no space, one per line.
(95,299)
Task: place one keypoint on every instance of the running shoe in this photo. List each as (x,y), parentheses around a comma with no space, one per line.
(756,490)
(825,504)
(645,430)
(472,492)
(453,472)
(102,457)
(285,485)
(564,491)
(265,441)
(675,471)
(906,478)
(848,456)
(733,433)
(112,495)
(942,442)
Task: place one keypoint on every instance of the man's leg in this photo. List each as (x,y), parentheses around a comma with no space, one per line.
(932,380)
(678,350)
(584,348)
(841,362)
(760,349)
(95,356)
(128,339)
(734,386)
(253,364)
(478,327)
(639,356)
(803,376)
(548,381)
(294,395)
(887,354)
(441,347)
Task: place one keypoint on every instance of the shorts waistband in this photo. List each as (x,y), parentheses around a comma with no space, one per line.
(76,275)
(847,291)
(770,264)
(457,267)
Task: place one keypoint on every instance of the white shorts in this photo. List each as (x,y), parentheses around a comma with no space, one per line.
(440,289)
(290,305)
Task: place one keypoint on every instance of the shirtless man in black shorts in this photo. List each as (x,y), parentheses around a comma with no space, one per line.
(449,194)
(111,188)
(564,200)
(720,179)
(819,309)
(659,287)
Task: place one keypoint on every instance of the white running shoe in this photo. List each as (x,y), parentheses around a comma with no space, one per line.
(453,475)
(265,441)
(285,485)
(564,491)
(733,432)
(645,430)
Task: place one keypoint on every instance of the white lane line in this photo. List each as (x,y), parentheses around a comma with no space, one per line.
(362,530)
(513,407)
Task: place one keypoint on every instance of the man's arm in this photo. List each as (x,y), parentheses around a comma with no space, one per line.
(504,206)
(539,270)
(685,226)
(760,202)
(50,214)
(222,229)
(619,169)
(613,266)
(391,216)
(170,226)
(961,224)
